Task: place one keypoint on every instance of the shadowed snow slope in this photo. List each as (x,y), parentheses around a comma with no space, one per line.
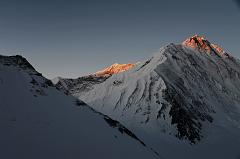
(38,121)
(185,99)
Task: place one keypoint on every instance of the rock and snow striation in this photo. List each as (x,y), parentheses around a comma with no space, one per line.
(187,91)
(38,121)
(203,45)
(84,84)
(79,85)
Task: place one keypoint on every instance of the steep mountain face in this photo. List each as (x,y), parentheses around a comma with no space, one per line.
(189,90)
(38,121)
(84,84)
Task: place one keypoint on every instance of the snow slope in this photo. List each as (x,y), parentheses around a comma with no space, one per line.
(38,121)
(187,91)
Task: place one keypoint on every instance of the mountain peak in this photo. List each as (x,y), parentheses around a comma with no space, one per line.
(200,43)
(16,60)
(114,69)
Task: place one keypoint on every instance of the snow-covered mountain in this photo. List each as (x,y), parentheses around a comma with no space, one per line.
(185,99)
(84,84)
(38,121)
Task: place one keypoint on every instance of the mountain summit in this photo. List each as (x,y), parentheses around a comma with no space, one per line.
(203,45)
(114,69)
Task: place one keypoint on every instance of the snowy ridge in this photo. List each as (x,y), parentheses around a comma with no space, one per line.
(84,84)
(79,85)
(38,121)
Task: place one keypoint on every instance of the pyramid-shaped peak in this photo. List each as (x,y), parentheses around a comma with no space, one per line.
(198,42)
(202,44)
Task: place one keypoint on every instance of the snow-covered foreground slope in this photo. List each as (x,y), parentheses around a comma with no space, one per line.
(37,121)
(185,99)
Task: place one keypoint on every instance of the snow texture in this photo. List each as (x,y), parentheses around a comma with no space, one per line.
(182,100)
(38,121)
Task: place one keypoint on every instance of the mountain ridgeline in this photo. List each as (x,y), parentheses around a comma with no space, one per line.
(186,90)
(184,99)
(38,121)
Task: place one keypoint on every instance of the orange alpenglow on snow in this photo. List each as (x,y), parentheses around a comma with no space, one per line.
(114,69)
(201,44)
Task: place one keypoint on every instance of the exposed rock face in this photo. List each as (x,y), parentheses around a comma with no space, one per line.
(17,60)
(220,51)
(114,69)
(79,85)
(201,44)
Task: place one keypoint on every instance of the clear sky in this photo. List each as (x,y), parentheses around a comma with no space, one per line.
(72,38)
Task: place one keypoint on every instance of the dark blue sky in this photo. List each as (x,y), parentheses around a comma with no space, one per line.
(72,38)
